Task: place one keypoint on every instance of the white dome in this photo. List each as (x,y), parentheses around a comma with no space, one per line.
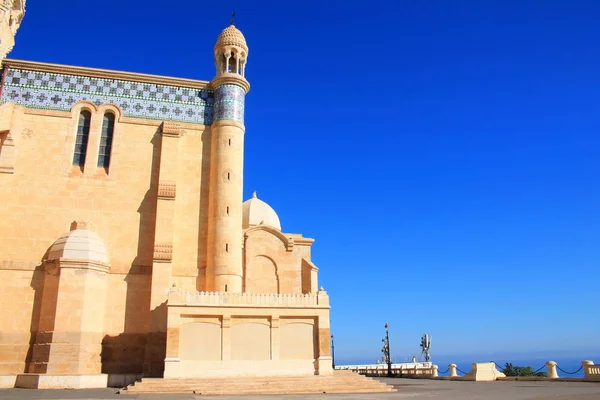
(256,212)
(79,244)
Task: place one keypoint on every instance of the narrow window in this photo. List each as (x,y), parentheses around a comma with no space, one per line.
(228,176)
(108,127)
(225,287)
(229,142)
(227,247)
(81,141)
(227,210)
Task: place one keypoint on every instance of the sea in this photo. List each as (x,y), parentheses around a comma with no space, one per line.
(572,366)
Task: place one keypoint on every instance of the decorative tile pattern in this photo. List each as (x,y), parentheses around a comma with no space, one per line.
(138,100)
(229,103)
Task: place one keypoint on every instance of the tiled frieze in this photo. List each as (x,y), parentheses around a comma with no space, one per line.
(53,91)
(229,103)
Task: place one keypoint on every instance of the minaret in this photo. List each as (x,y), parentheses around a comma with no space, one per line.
(224,248)
(11,15)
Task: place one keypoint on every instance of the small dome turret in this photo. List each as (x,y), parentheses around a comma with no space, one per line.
(256,212)
(231,36)
(81,243)
(231,52)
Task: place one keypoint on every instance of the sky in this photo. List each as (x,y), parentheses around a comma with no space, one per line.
(443,154)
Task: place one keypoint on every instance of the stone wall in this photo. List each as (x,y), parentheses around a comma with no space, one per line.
(43,193)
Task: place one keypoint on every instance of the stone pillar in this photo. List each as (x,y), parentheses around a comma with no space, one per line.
(155,353)
(323,363)
(172,359)
(434,371)
(226,338)
(551,365)
(275,338)
(452,369)
(586,368)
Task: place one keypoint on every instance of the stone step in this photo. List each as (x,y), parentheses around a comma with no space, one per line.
(340,382)
(269,390)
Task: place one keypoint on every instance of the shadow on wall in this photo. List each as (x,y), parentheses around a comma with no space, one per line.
(37,284)
(203,212)
(126,353)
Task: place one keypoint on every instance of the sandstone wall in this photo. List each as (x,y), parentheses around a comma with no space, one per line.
(44,193)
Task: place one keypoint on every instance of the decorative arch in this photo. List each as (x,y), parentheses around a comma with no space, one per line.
(288,242)
(261,275)
(111,107)
(83,105)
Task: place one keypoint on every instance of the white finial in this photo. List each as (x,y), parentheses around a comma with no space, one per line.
(254,195)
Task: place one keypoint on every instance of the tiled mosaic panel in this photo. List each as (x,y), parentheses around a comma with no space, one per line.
(139,100)
(229,103)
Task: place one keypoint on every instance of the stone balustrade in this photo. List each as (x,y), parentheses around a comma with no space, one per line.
(591,371)
(409,370)
(178,297)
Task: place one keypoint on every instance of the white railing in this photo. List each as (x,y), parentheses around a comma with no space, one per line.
(178,297)
(425,369)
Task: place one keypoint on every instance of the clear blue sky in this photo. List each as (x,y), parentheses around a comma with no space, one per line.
(443,154)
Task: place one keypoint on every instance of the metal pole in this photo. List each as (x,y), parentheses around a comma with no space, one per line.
(389,354)
(332,353)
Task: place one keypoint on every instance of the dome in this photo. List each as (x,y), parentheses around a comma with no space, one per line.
(231,36)
(79,244)
(257,212)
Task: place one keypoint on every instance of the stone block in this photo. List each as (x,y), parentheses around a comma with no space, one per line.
(483,372)
(7,381)
(42,381)
(122,380)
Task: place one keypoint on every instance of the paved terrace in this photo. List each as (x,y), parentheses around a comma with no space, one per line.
(407,389)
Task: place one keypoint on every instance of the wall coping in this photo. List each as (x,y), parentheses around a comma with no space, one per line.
(179,298)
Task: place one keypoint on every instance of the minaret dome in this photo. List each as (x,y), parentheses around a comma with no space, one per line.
(231,52)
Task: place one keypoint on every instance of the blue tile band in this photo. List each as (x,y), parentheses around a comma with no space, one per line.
(61,92)
(229,103)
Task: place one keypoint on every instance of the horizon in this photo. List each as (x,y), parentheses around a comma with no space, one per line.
(443,156)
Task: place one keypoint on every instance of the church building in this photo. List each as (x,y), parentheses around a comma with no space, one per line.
(127,250)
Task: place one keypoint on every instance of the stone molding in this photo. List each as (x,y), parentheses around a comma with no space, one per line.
(230,79)
(167,190)
(288,241)
(225,122)
(163,252)
(53,267)
(170,128)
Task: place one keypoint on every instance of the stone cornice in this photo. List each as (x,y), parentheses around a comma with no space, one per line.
(105,73)
(77,264)
(230,79)
(304,241)
(229,122)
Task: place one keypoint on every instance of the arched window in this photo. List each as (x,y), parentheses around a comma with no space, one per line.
(108,127)
(81,142)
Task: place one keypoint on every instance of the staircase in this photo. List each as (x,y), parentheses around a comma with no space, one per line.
(339,382)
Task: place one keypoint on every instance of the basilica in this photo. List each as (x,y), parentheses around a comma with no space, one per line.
(127,249)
